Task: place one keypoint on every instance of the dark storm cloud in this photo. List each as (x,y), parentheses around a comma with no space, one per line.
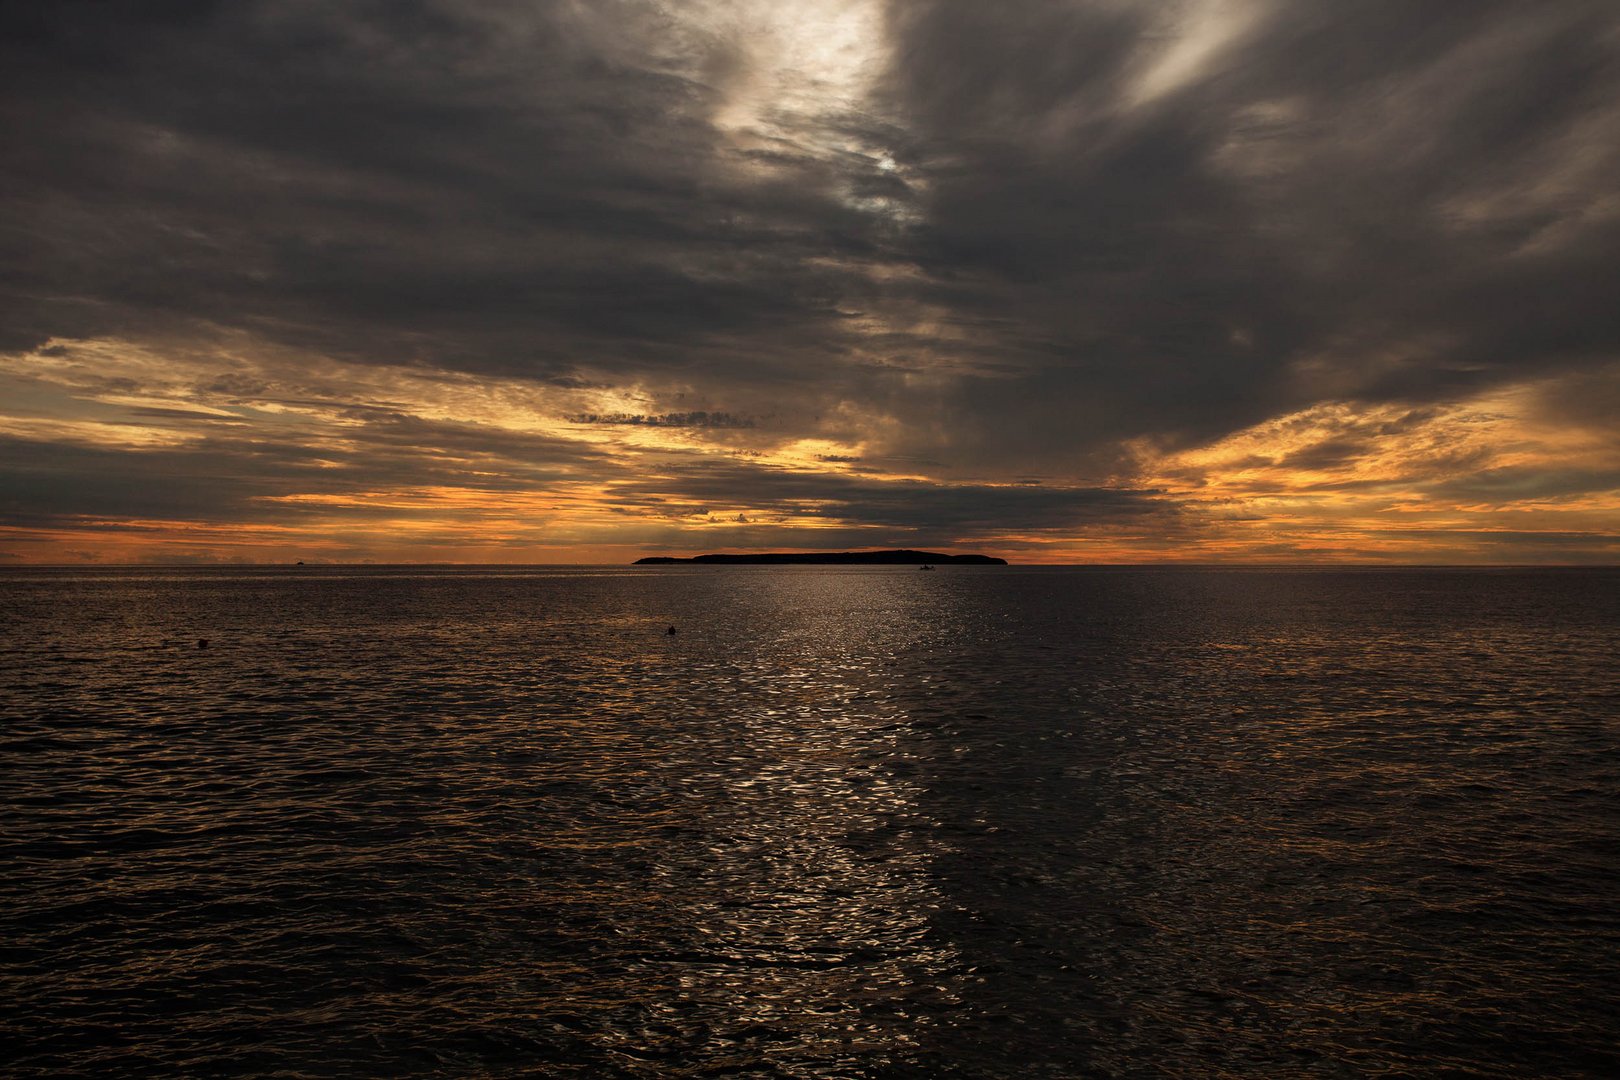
(222,479)
(49,482)
(966,510)
(522,188)
(1508,484)
(1375,200)
(494,187)
(1055,232)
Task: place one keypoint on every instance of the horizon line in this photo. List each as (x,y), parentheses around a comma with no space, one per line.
(1159,564)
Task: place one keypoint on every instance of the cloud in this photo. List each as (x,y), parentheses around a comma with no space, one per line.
(962,510)
(491,188)
(698,419)
(517,247)
(1364,203)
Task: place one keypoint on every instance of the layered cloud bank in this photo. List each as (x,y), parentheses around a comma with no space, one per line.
(570,282)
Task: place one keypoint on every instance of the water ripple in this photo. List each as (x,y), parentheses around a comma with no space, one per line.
(845,823)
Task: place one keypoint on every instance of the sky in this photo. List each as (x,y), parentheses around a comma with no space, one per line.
(561,281)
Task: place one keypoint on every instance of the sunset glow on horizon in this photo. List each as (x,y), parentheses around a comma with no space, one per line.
(1256,283)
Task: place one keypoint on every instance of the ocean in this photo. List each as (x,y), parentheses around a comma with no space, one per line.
(845,822)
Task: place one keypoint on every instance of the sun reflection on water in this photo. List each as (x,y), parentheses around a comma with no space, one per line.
(844,823)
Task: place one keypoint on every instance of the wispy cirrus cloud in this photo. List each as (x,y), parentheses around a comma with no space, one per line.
(699,419)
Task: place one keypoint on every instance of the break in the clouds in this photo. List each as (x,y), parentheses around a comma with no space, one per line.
(509,281)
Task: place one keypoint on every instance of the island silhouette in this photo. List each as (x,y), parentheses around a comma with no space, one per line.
(833,558)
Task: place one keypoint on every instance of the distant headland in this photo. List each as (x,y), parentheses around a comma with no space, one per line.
(831,558)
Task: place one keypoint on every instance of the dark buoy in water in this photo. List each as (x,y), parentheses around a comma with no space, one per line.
(202,643)
(670,631)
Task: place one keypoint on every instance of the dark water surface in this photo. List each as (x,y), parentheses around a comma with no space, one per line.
(846,823)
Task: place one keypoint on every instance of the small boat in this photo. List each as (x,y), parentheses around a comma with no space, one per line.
(925,567)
